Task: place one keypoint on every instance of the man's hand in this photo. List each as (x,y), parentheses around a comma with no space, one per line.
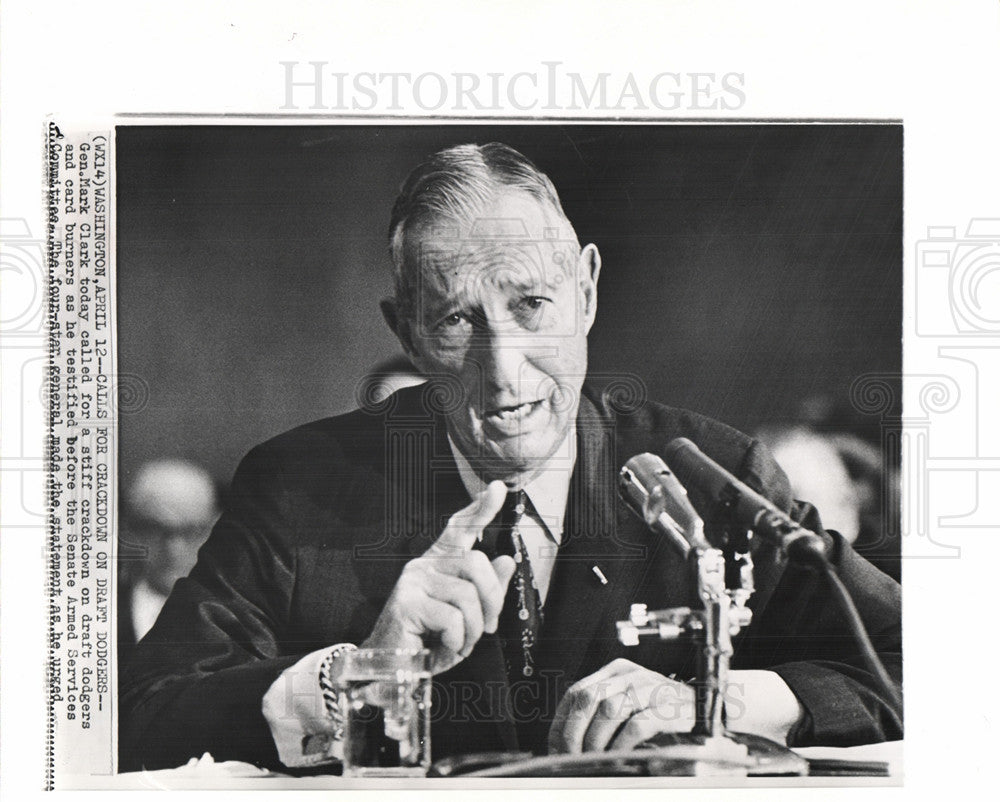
(449,596)
(619,707)
(624,704)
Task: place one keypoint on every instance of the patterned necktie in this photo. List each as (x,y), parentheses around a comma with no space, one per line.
(521,617)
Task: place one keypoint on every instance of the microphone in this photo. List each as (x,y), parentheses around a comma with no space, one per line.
(653,493)
(748,508)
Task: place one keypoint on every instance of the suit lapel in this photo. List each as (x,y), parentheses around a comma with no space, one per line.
(599,532)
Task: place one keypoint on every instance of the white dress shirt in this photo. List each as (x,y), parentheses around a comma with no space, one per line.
(146,606)
(541,527)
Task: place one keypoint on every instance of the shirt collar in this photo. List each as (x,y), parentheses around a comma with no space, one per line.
(146,605)
(548,492)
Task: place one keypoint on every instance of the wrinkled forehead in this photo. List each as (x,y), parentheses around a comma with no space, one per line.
(515,242)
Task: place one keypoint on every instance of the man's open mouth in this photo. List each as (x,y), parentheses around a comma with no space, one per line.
(512,413)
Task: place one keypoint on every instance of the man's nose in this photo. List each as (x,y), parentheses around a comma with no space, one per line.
(501,357)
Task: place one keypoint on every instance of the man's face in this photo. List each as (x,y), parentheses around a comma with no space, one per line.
(504,306)
(173,552)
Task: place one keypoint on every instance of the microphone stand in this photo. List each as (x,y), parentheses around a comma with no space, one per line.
(721,589)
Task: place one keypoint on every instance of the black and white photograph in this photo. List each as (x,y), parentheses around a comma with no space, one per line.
(521,398)
(566,420)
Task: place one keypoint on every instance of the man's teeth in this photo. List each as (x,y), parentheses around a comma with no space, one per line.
(513,413)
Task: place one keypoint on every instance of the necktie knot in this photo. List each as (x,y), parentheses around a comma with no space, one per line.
(513,508)
(498,535)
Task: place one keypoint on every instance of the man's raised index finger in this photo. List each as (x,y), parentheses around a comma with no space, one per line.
(466,525)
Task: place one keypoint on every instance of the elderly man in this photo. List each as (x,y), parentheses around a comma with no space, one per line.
(379,528)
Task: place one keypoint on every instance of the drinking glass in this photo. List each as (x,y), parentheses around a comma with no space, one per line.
(385,697)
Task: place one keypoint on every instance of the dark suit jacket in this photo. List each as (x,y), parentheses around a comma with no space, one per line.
(321,520)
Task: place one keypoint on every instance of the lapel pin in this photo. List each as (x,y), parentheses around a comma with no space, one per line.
(600,575)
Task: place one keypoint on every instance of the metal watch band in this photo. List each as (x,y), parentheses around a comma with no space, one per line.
(329,689)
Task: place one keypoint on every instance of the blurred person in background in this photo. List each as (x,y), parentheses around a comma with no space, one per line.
(170,508)
(817,473)
(847,477)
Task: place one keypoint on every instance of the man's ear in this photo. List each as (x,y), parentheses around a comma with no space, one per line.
(399,324)
(590,271)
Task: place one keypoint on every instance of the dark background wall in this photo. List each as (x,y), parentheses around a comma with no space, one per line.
(746,268)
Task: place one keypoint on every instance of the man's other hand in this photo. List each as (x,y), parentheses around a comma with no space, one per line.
(619,707)
(450,595)
(624,704)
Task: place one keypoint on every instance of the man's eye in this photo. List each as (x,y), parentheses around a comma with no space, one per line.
(452,320)
(534,302)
